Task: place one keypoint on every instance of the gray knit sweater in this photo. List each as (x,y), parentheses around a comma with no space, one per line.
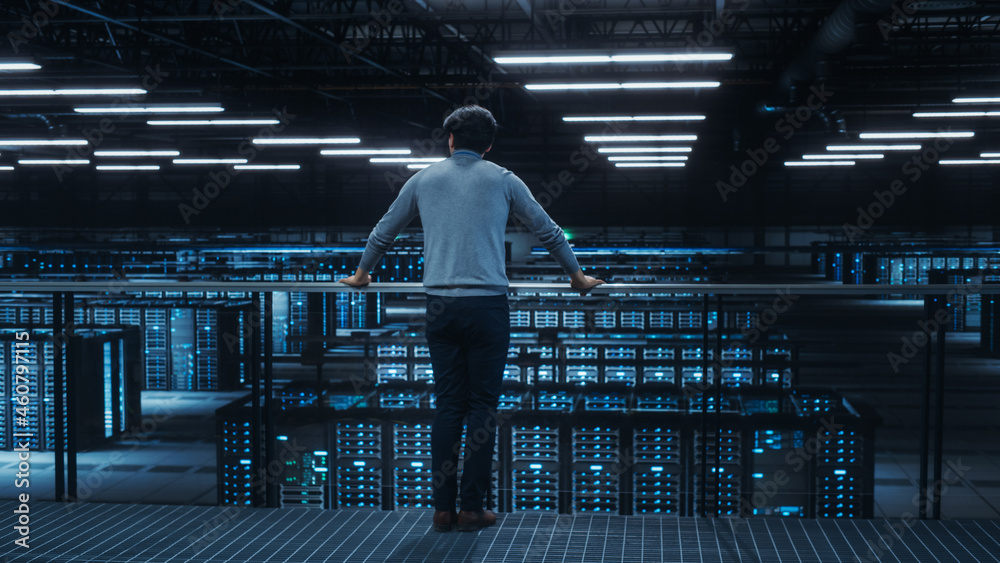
(463,203)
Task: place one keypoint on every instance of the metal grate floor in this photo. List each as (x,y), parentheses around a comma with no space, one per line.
(138,533)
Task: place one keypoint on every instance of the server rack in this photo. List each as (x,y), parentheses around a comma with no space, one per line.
(652,449)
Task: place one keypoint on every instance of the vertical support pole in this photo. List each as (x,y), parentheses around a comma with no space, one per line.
(259,489)
(703,386)
(269,432)
(925,436)
(71,422)
(57,378)
(718,404)
(939,410)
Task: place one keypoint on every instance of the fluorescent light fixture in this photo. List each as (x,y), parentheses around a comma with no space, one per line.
(210,161)
(869,156)
(417,166)
(604,59)
(637,138)
(873,147)
(588,118)
(51,162)
(989,155)
(76,92)
(127,168)
(957,114)
(309,141)
(361,152)
(6,168)
(967,162)
(919,135)
(152,109)
(19,66)
(819,163)
(137,153)
(42,142)
(620,86)
(428,160)
(627,150)
(645,158)
(649,164)
(267,167)
(210,122)
(658,85)
(976,101)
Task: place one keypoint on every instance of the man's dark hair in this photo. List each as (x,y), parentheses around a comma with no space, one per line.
(473,127)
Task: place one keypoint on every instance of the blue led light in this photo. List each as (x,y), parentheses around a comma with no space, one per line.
(840,472)
(359,464)
(416,464)
(320,452)
(534,466)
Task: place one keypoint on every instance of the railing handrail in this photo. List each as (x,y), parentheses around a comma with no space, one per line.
(118,287)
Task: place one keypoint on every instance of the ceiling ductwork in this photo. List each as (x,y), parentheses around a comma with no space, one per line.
(836,34)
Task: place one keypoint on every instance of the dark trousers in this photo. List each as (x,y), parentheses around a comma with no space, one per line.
(468,339)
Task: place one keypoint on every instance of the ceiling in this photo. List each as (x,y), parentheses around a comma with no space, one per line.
(387,73)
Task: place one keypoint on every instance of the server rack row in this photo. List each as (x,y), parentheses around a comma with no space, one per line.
(646,451)
(107,371)
(626,362)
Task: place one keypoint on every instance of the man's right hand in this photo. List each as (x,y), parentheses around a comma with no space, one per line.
(359,279)
(583,282)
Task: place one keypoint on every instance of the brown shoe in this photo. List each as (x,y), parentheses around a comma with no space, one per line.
(469,521)
(444,520)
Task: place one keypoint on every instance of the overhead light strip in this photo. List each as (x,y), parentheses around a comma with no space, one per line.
(873,147)
(649,164)
(628,150)
(989,100)
(428,160)
(19,66)
(210,122)
(645,158)
(127,168)
(621,86)
(52,162)
(209,161)
(968,162)
(600,118)
(267,167)
(869,156)
(150,109)
(957,114)
(127,153)
(637,138)
(76,92)
(42,142)
(608,59)
(308,141)
(919,135)
(362,152)
(819,163)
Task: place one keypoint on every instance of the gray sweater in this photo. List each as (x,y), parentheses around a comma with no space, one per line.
(463,203)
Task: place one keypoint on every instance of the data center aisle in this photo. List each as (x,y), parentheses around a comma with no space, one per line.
(111,533)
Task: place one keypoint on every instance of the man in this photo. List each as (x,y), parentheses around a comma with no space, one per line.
(463,203)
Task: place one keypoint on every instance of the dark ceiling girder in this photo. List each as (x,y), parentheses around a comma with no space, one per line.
(202,52)
(325,39)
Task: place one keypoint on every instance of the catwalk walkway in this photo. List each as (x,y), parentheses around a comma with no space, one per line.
(158,533)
